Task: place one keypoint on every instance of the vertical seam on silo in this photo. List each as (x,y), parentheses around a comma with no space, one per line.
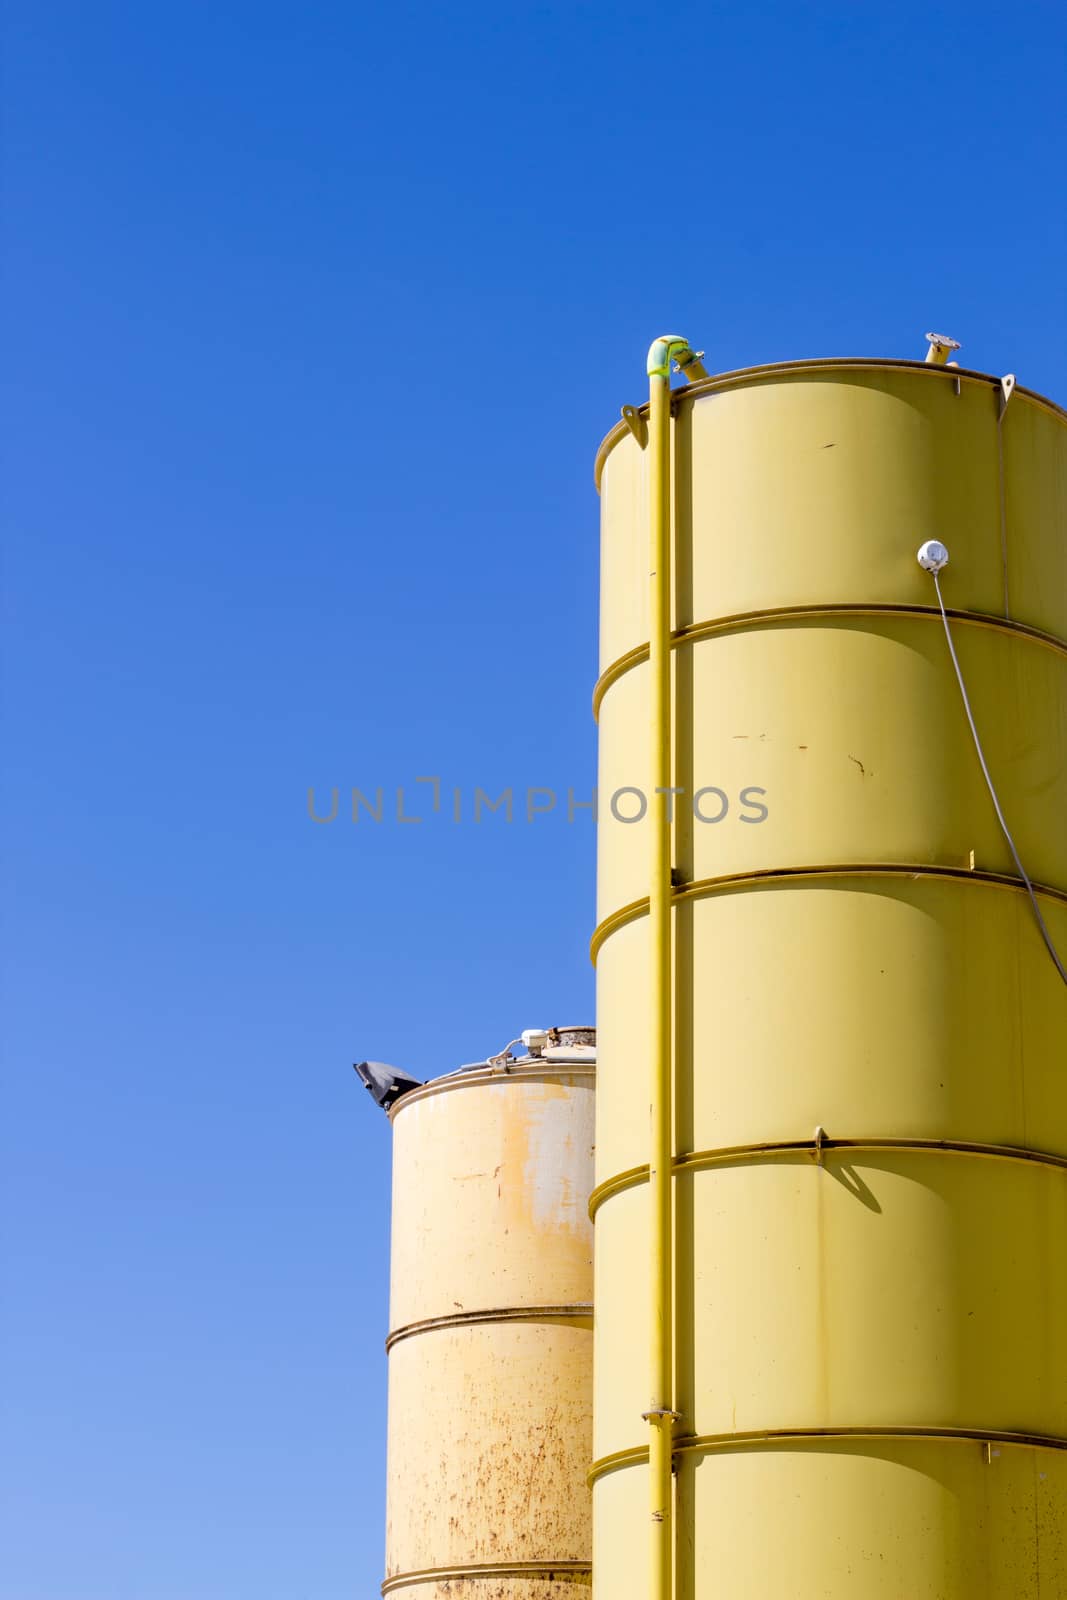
(1005,390)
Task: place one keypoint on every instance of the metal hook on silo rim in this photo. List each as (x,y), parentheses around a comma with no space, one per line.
(636,424)
(1007,389)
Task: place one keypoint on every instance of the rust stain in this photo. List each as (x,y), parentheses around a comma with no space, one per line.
(537,1463)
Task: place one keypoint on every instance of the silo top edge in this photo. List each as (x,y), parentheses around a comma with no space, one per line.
(743,375)
(543,1071)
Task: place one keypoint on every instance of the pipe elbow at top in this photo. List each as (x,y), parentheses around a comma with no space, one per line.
(672,347)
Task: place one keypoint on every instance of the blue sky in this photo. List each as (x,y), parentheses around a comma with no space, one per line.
(316,315)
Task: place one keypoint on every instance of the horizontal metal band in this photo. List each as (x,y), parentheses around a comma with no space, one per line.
(540,1072)
(577,1311)
(635,1457)
(704,888)
(743,621)
(573,1571)
(707,1443)
(741,1154)
(742,376)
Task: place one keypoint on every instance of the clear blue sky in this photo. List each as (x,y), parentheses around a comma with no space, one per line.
(317,314)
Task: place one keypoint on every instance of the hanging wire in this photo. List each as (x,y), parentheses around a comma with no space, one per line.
(1049,946)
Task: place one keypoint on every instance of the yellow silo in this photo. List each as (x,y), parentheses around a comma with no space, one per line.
(831,1287)
(490,1349)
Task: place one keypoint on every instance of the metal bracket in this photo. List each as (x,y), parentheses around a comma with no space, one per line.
(636,424)
(661,1411)
(817,1148)
(941,347)
(694,356)
(1007,389)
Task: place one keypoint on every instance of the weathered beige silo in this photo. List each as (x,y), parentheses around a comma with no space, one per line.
(490,1349)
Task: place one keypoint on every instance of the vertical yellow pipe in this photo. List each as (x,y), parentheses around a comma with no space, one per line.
(660,1415)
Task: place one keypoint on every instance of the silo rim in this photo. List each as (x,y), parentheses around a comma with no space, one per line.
(742,375)
(467,1077)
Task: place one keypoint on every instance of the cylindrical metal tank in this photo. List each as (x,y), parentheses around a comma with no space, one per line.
(870,1059)
(490,1349)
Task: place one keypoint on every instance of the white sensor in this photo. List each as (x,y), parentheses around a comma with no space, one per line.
(932,556)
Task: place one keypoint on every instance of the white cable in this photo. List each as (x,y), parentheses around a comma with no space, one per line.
(505,1054)
(1050,947)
